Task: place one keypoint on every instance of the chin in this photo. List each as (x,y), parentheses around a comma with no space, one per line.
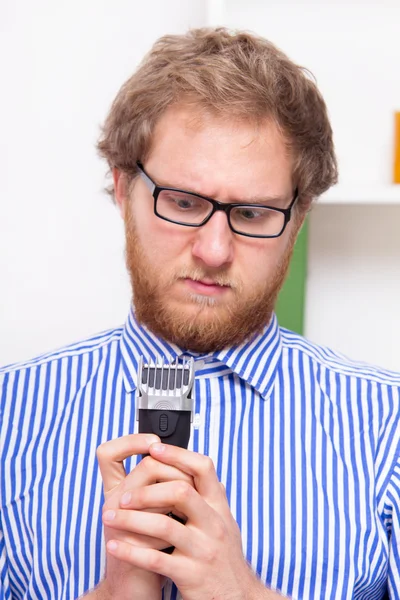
(198,311)
(202,301)
(201,307)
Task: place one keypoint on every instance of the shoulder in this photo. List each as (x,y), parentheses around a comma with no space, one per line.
(30,379)
(90,345)
(336,363)
(357,403)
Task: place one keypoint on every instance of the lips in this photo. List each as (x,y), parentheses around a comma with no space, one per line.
(206,286)
(208,282)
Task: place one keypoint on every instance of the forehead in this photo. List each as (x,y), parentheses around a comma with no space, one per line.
(219,157)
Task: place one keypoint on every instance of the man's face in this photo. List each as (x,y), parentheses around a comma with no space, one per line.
(206,288)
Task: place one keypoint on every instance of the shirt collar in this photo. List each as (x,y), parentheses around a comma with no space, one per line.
(254,361)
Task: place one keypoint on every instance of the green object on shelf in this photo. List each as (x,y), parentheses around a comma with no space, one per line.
(291,300)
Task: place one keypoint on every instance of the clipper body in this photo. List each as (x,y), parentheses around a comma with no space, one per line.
(165,404)
(166,400)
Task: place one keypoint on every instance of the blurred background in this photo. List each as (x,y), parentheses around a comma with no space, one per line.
(62,273)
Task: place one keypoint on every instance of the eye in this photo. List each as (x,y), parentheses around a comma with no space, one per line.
(249,214)
(180,201)
(184,202)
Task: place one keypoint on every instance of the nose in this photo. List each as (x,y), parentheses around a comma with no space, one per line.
(214,242)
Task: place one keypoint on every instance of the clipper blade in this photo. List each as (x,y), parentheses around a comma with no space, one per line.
(165,386)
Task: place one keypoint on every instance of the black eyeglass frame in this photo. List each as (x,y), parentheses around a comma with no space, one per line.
(226,207)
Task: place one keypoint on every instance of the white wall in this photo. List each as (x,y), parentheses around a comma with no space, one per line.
(353,288)
(62,273)
(353,49)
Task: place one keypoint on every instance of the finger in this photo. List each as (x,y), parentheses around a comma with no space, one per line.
(144,558)
(147,472)
(155,526)
(111,455)
(129,537)
(181,496)
(200,467)
(114,530)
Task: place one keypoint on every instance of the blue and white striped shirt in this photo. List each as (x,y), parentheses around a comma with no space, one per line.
(306,442)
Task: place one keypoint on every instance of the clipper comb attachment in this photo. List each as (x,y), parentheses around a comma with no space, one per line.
(165,399)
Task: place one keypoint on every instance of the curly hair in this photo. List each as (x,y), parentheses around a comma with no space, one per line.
(233,74)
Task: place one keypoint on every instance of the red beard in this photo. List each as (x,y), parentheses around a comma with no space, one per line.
(213,325)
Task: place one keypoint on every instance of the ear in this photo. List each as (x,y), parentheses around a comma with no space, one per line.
(121,190)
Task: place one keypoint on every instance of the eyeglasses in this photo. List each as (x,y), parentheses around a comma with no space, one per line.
(192,210)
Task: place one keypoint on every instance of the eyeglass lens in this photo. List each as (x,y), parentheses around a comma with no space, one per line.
(190,209)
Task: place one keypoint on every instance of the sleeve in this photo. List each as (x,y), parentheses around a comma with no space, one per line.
(5,591)
(393,499)
(5,588)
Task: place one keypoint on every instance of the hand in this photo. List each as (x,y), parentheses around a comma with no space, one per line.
(208,560)
(123,580)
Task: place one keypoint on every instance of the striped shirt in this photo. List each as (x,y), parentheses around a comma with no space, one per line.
(306,442)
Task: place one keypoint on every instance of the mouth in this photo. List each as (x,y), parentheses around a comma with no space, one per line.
(206,286)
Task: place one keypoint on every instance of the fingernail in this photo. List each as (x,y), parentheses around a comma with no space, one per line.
(112,546)
(109,515)
(151,439)
(126,498)
(158,448)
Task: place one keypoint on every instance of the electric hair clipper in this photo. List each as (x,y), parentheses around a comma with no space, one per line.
(165,404)
(166,399)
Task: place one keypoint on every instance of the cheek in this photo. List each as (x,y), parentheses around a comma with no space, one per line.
(164,242)
(259,260)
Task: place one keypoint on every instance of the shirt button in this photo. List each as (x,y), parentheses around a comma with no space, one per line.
(196,421)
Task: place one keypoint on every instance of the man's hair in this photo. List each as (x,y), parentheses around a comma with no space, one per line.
(233,75)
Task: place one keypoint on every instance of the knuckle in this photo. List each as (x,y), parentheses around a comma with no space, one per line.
(106,506)
(146,463)
(219,531)
(210,554)
(183,491)
(103,451)
(130,553)
(147,466)
(166,526)
(237,533)
(138,497)
(154,561)
(207,466)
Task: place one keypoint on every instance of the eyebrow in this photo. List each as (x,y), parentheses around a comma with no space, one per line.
(269,200)
(265,200)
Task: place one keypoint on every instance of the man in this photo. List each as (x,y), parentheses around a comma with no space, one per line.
(217,145)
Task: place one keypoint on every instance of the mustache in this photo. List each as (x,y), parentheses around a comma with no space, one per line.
(199,274)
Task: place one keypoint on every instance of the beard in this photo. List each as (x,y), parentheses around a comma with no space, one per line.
(208,324)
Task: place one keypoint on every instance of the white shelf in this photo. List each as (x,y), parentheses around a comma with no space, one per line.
(361,194)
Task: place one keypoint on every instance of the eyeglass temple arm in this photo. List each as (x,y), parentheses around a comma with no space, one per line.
(150,184)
